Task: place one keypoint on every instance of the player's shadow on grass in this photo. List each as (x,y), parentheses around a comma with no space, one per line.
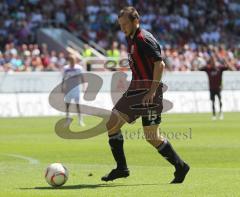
(86,186)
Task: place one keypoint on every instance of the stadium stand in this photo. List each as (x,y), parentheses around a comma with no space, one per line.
(188,31)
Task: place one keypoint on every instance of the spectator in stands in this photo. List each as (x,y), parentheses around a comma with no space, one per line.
(123,51)
(23,51)
(184,19)
(53,57)
(45,61)
(114,52)
(36,63)
(87,53)
(61,60)
(36,50)
(16,62)
(2,62)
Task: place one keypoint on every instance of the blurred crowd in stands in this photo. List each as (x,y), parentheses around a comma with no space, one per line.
(30,58)
(38,58)
(189,31)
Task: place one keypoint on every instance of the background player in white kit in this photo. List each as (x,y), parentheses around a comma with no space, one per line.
(70,70)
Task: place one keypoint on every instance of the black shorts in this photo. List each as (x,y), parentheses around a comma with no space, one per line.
(213,93)
(130,104)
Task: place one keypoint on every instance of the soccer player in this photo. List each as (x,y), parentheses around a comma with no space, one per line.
(70,70)
(214,74)
(146,64)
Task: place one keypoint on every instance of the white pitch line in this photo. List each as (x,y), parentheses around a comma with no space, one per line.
(29,159)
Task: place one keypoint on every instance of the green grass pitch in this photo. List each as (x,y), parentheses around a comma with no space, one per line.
(212,148)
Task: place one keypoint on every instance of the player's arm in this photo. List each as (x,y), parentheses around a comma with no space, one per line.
(228,65)
(157,76)
(153,50)
(202,68)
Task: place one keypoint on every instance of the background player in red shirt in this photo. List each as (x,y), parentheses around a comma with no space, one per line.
(146,64)
(214,74)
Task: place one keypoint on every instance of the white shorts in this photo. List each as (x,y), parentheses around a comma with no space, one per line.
(74,95)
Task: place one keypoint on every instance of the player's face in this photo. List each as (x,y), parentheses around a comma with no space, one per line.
(127,26)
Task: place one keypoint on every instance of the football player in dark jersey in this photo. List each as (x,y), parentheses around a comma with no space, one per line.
(214,74)
(146,65)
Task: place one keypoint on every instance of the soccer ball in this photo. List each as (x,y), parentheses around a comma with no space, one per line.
(56,174)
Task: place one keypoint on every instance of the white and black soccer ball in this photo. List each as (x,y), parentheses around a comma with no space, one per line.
(56,174)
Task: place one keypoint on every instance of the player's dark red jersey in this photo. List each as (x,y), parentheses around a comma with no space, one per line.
(143,50)
(214,76)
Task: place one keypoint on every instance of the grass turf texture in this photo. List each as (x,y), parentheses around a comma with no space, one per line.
(212,149)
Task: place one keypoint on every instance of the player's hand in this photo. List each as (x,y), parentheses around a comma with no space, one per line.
(148,98)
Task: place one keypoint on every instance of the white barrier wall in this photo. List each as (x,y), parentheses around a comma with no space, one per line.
(26,94)
(176,81)
(36,104)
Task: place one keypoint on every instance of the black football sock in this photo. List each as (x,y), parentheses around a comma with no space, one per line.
(220,105)
(116,144)
(213,109)
(67,110)
(167,151)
